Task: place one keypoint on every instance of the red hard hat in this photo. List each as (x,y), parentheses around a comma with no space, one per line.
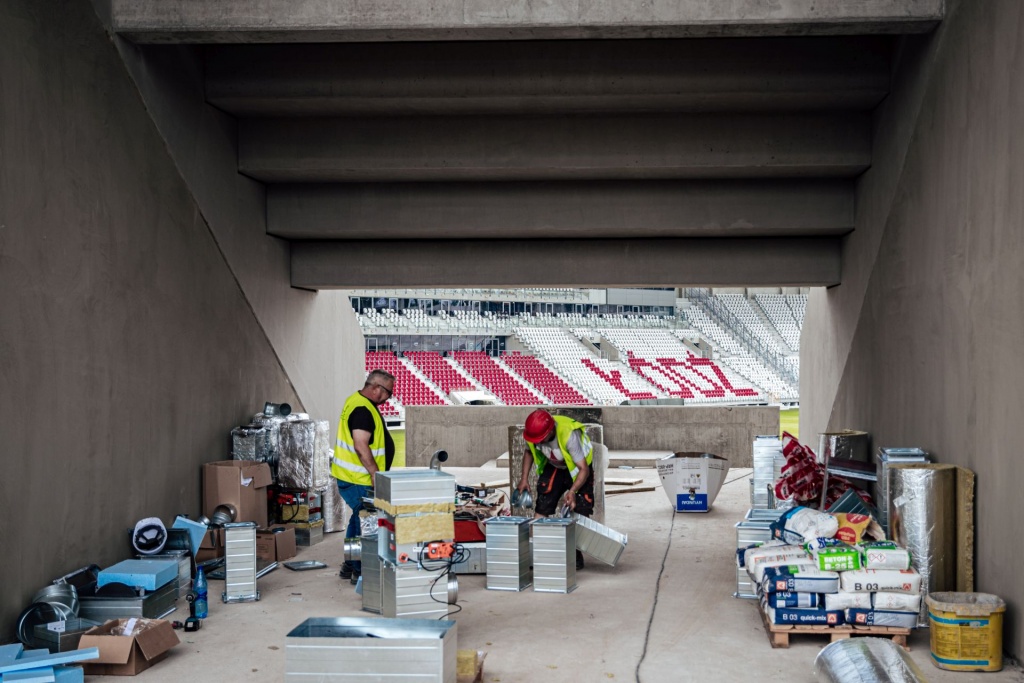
(539,426)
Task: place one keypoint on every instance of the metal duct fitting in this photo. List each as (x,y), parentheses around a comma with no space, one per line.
(353,549)
(277,409)
(438,458)
(866,660)
(453,589)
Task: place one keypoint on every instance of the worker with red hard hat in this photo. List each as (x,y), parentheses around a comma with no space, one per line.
(561,451)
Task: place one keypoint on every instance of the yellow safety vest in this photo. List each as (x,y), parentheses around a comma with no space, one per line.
(564,427)
(346,465)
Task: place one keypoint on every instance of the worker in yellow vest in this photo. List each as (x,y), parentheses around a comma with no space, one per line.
(364,447)
(562,453)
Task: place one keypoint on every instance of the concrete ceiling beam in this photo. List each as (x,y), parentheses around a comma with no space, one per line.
(601,209)
(554,148)
(283,21)
(749,262)
(736,75)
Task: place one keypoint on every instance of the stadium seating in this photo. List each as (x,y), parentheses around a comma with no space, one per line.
(409,389)
(781,316)
(510,390)
(534,371)
(439,371)
(740,306)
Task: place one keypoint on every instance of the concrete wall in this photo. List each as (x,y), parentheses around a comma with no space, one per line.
(129,345)
(472,435)
(920,345)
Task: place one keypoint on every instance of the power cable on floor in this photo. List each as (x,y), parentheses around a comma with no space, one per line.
(657,590)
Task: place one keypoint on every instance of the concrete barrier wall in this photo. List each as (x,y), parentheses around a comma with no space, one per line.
(472,435)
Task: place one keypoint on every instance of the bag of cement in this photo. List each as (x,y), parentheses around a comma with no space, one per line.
(896,602)
(757,571)
(882,580)
(818,543)
(843,601)
(760,557)
(886,555)
(838,558)
(773,549)
(794,600)
(741,553)
(783,615)
(801,525)
(870,617)
(799,579)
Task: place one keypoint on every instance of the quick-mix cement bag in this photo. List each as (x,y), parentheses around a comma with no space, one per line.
(758,570)
(882,580)
(801,525)
(842,601)
(868,617)
(838,558)
(754,557)
(794,600)
(781,615)
(799,579)
(886,555)
(896,602)
(741,553)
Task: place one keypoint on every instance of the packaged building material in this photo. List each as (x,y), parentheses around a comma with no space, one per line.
(692,480)
(871,617)
(757,559)
(771,549)
(804,617)
(896,602)
(768,462)
(838,558)
(886,555)
(800,525)
(884,458)
(757,570)
(882,580)
(923,519)
(305,460)
(794,600)
(843,601)
(799,579)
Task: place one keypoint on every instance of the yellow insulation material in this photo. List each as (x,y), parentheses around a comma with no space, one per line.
(395,510)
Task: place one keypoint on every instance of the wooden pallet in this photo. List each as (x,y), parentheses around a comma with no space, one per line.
(778,635)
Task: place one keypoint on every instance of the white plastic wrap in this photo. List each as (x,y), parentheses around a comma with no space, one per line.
(896,602)
(305,461)
(804,525)
(866,660)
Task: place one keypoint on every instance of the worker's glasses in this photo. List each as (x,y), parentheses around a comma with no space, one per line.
(381,386)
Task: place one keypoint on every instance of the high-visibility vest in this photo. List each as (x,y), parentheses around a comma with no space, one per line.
(564,427)
(346,465)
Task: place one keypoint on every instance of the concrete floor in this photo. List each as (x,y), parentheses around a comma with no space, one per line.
(621,624)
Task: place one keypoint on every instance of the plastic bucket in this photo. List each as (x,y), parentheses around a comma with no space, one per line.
(966,631)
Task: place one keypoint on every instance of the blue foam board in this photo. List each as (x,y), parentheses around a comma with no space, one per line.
(41,675)
(147,574)
(196,531)
(68,674)
(8,653)
(55,658)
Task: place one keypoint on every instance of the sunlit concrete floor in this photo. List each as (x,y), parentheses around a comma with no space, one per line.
(665,613)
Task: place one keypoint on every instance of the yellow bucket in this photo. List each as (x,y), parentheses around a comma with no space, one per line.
(966,631)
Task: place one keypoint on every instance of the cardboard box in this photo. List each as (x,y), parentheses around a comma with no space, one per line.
(275,547)
(242,483)
(127,655)
(692,480)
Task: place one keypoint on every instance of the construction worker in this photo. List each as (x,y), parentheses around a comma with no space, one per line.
(562,453)
(363,448)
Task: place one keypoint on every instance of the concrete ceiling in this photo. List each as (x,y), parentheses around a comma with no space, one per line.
(468,162)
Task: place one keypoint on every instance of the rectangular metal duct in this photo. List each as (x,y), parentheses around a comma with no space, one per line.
(240,562)
(371,574)
(554,555)
(370,650)
(508,553)
(413,593)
